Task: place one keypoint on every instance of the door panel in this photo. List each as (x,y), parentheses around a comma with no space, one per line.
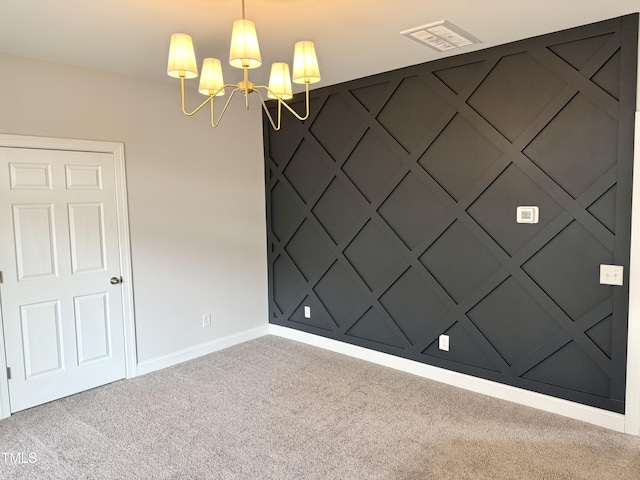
(34,241)
(92,326)
(63,323)
(28,176)
(87,237)
(41,338)
(84,177)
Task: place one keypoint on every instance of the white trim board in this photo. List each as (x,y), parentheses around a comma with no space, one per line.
(196,351)
(117,150)
(5,406)
(632,401)
(596,416)
(126,273)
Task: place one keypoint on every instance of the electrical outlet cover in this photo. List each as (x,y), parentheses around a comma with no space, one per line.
(611,274)
(443,342)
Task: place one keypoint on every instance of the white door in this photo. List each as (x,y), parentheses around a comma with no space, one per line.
(62,316)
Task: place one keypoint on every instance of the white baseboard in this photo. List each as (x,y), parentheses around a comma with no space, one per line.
(596,416)
(196,351)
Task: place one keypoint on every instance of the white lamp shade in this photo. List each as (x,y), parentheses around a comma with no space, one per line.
(305,63)
(182,59)
(211,81)
(280,82)
(245,51)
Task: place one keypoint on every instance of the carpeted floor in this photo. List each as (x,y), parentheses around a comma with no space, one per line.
(276,409)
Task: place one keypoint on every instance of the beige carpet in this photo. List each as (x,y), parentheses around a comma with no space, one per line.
(277,409)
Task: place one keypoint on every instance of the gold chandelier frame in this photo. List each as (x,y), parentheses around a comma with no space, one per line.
(244,54)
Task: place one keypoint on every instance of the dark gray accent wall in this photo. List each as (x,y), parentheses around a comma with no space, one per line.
(391,212)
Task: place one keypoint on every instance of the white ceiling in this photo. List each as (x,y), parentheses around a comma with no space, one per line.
(354,38)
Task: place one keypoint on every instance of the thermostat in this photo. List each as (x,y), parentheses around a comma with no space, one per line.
(527,214)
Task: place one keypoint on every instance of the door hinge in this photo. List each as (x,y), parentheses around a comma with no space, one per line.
(0,277)
(8,373)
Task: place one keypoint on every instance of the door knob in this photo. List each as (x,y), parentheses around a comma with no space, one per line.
(115,280)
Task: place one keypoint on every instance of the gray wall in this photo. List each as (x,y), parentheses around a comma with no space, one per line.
(196,195)
(391,212)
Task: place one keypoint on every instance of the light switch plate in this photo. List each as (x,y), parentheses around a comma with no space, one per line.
(611,274)
(443,342)
(527,214)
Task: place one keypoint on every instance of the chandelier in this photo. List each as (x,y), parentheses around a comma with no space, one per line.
(244,54)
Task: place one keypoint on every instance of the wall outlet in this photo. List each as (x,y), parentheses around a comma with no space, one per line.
(443,342)
(307,312)
(206,320)
(611,274)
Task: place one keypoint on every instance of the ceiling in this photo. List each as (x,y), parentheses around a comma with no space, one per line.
(354,38)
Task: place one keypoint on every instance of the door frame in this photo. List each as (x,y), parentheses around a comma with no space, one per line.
(122,212)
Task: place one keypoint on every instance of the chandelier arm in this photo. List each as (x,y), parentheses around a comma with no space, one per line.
(210,99)
(282,102)
(214,124)
(266,110)
(306,93)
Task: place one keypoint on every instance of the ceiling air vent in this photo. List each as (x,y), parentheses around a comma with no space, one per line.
(441,36)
